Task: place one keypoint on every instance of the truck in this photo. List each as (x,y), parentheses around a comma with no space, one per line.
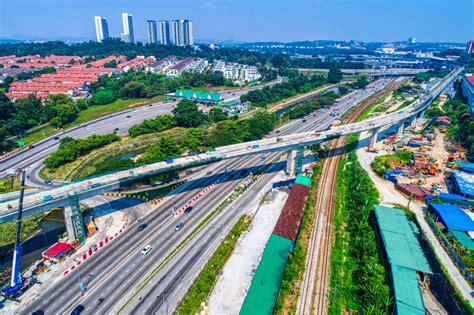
(47,198)
(169,160)
(255,146)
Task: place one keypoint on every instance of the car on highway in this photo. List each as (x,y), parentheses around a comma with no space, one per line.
(116,129)
(179,226)
(141,227)
(262,158)
(188,209)
(128,116)
(146,249)
(77,310)
(56,138)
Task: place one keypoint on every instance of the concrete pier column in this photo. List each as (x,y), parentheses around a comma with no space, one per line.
(401,128)
(413,122)
(290,162)
(373,139)
(299,161)
(421,114)
(74,221)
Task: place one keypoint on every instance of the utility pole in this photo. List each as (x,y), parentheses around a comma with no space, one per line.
(80,284)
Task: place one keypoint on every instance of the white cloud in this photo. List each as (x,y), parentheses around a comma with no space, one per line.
(208,5)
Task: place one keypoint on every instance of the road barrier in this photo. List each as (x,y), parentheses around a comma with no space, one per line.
(91,251)
(194,199)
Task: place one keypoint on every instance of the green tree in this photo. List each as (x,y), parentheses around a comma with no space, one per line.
(217,114)
(192,139)
(103,97)
(187,114)
(334,75)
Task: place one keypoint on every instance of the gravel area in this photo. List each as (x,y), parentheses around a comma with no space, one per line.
(389,196)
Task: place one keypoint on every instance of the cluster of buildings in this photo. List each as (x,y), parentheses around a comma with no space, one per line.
(73,77)
(71,81)
(38,62)
(236,71)
(178,32)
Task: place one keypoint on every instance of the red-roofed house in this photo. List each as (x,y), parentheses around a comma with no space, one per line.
(468,91)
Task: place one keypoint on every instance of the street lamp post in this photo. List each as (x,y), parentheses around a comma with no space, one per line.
(163,301)
(80,284)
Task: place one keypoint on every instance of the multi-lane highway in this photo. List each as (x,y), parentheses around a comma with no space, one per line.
(120,266)
(119,122)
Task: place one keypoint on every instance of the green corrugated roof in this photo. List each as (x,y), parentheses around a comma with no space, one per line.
(303,180)
(400,243)
(464,239)
(405,257)
(200,96)
(407,291)
(263,291)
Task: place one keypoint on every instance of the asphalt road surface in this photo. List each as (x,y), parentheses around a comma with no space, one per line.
(123,121)
(119,267)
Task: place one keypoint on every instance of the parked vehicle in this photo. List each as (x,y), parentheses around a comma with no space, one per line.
(47,198)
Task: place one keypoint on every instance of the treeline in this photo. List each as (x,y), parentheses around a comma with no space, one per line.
(426,76)
(70,149)
(462,128)
(294,85)
(116,46)
(18,116)
(93,50)
(311,106)
(158,124)
(197,139)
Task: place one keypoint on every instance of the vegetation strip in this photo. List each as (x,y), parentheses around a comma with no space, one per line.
(358,281)
(206,280)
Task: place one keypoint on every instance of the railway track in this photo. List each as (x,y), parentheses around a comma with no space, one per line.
(316,280)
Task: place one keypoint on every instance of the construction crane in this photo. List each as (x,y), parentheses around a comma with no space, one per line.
(17,283)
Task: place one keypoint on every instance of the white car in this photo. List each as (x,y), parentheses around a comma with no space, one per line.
(146,249)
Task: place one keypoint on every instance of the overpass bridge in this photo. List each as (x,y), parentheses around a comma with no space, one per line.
(375,72)
(69,195)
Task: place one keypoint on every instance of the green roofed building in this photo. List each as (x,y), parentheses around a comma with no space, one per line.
(199,96)
(405,257)
(265,286)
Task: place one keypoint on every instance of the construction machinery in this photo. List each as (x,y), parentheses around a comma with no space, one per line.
(17,284)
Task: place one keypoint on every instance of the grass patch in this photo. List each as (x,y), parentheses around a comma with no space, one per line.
(383,163)
(203,285)
(8,230)
(10,184)
(295,266)
(156,193)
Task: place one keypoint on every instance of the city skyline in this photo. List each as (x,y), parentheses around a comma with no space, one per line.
(321,20)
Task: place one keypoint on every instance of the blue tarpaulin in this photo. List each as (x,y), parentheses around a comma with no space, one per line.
(466,166)
(453,217)
(465,183)
(452,196)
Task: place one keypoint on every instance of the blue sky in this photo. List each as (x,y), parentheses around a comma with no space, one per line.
(250,20)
